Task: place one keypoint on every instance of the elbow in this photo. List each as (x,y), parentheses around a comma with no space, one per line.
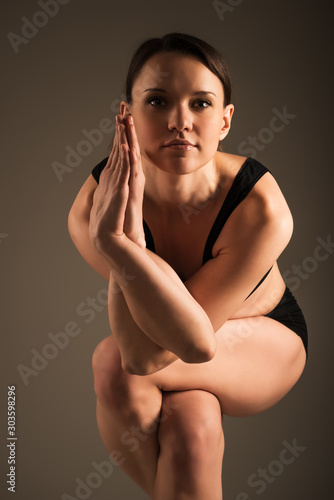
(201,354)
(69,222)
(75,221)
(72,224)
(204,347)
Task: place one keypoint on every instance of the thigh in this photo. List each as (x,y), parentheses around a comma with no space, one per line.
(258,360)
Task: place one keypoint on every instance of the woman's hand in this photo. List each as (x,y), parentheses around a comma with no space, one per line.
(117,201)
(133,225)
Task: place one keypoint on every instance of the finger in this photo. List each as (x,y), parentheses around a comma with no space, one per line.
(134,163)
(132,155)
(123,137)
(129,137)
(124,120)
(129,131)
(123,166)
(124,134)
(113,155)
(116,138)
(135,155)
(133,137)
(115,152)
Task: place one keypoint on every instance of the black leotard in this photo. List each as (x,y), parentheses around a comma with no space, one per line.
(248,175)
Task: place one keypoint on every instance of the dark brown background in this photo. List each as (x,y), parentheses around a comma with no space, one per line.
(66,79)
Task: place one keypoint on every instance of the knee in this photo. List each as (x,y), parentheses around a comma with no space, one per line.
(107,370)
(191,443)
(200,443)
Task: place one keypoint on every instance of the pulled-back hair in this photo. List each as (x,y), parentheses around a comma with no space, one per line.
(183,44)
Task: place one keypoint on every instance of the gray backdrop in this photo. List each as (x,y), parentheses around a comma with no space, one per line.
(61,79)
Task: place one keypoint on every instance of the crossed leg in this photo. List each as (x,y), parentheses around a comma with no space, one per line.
(160,439)
(257,362)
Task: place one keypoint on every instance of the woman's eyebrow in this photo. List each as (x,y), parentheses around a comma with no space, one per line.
(198,92)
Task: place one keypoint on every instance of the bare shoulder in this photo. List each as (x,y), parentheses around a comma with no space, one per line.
(264,204)
(265,191)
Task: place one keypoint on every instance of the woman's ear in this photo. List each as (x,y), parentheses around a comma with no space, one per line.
(226,124)
(124,109)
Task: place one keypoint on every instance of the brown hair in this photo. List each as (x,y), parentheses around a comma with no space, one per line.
(186,45)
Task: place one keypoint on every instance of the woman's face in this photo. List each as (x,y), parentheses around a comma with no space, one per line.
(165,107)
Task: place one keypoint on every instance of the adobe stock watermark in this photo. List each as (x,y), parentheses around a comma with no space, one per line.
(278,122)
(93,138)
(83,149)
(223,7)
(266,476)
(298,273)
(103,470)
(57,342)
(30,28)
(236,330)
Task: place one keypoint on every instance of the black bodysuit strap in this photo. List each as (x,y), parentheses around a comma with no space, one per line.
(248,175)
(250,172)
(259,283)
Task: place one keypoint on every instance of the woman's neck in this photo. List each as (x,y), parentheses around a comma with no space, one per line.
(168,191)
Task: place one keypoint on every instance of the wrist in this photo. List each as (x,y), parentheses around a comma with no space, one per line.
(108,244)
(139,240)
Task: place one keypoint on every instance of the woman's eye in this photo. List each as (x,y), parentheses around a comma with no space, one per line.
(205,102)
(155,99)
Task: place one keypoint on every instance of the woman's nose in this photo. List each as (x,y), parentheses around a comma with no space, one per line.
(180,118)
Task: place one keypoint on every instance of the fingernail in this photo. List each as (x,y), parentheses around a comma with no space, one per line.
(130,119)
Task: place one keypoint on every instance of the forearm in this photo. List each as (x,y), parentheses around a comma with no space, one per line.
(160,305)
(140,355)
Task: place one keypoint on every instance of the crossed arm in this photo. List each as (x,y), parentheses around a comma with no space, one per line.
(154,316)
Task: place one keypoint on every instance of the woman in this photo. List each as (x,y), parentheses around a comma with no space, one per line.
(188,237)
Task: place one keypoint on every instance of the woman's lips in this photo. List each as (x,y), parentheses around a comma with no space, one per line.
(184,147)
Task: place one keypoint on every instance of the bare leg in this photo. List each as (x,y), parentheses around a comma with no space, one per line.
(170,443)
(128,409)
(192,448)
